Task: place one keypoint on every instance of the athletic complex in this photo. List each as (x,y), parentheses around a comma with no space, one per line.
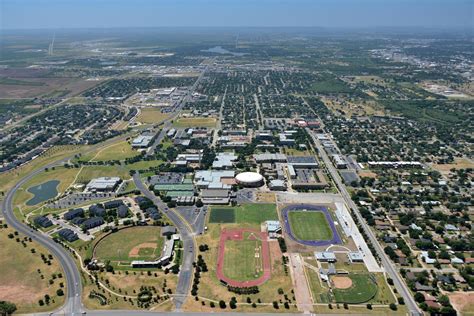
(246,262)
(305,226)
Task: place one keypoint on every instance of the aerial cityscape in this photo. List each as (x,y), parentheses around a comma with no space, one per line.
(242,170)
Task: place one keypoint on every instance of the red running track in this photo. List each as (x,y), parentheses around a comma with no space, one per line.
(238,234)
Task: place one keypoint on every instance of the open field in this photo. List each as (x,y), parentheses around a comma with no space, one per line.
(362,289)
(265,197)
(55,153)
(243,259)
(129,284)
(135,243)
(245,213)
(195,122)
(90,172)
(310,225)
(117,151)
(459,163)
(151,116)
(463,302)
(50,87)
(20,281)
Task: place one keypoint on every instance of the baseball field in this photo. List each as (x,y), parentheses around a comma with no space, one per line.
(126,245)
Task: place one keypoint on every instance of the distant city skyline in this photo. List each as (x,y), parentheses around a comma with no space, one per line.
(32,14)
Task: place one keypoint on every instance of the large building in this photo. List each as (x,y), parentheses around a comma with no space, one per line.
(224,160)
(214,179)
(103,184)
(249,179)
(215,196)
(142,141)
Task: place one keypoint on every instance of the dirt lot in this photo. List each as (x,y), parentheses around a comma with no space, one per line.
(367,174)
(459,163)
(266,197)
(463,302)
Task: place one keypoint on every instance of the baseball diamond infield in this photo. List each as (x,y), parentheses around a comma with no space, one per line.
(258,259)
(328,230)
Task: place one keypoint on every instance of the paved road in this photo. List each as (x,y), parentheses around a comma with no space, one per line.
(168,121)
(73,305)
(187,236)
(386,263)
(71,273)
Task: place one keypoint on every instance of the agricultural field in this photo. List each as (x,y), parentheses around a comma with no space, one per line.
(26,283)
(310,225)
(208,122)
(48,87)
(126,245)
(245,213)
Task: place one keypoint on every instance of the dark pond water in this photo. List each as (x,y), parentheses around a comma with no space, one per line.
(43,192)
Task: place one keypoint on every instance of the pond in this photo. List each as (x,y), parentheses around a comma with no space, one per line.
(221,50)
(43,192)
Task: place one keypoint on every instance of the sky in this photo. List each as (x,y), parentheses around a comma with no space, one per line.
(32,14)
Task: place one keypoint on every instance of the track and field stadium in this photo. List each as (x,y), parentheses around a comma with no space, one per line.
(243,257)
(310,225)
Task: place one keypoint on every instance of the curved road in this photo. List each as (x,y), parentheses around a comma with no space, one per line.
(73,303)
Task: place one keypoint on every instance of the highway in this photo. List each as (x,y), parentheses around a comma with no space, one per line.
(187,236)
(389,267)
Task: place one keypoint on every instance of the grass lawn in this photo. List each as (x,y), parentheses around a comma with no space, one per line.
(90,172)
(117,151)
(130,284)
(20,281)
(222,215)
(318,291)
(195,122)
(240,262)
(151,116)
(118,246)
(331,86)
(363,289)
(245,213)
(55,153)
(309,225)
(65,177)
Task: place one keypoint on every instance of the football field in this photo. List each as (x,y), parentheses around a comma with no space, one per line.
(310,225)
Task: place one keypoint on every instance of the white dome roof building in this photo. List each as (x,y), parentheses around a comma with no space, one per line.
(249,179)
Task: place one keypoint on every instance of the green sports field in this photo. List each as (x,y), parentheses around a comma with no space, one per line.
(240,260)
(363,289)
(309,225)
(135,243)
(246,213)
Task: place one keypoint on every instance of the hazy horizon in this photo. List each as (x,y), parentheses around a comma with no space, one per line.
(67,14)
